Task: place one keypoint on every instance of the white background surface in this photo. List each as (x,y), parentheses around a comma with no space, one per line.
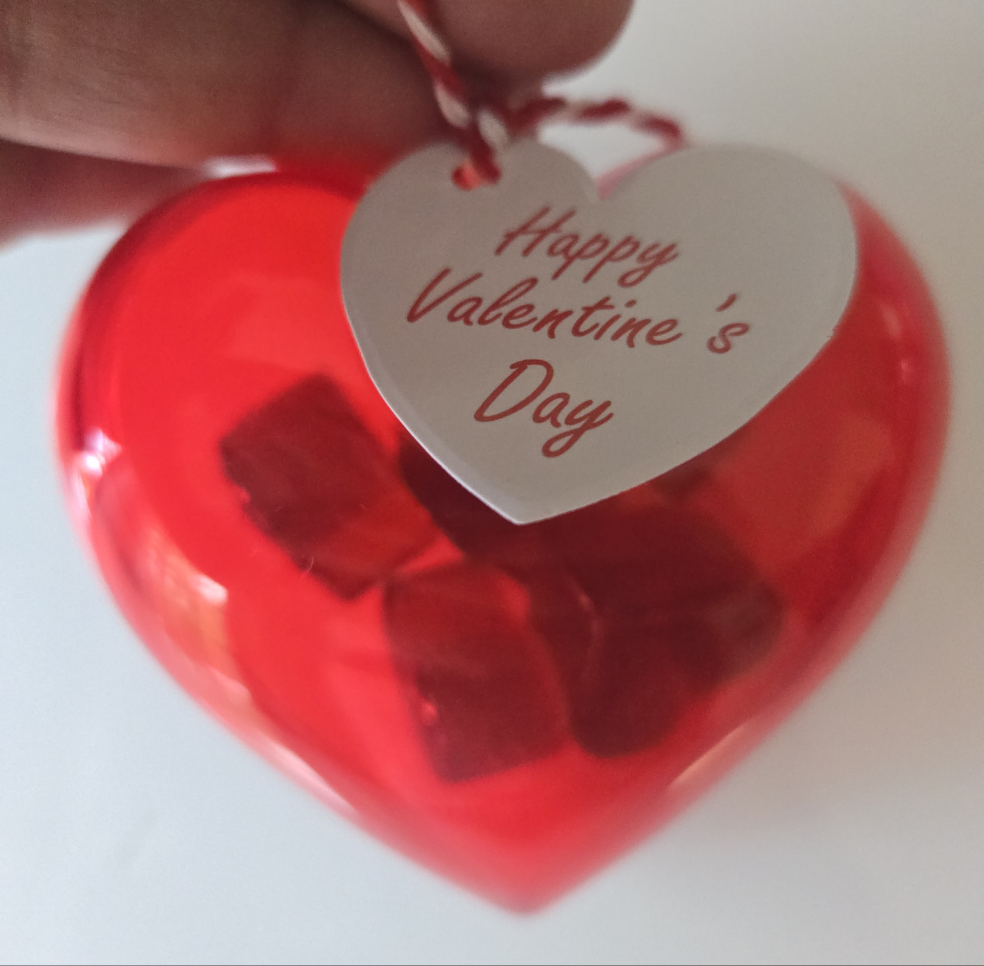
(132,828)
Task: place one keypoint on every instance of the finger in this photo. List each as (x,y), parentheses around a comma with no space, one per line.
(517,39)
(42,190)
(175,83)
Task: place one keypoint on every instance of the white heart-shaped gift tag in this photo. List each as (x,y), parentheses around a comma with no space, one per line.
(551,349)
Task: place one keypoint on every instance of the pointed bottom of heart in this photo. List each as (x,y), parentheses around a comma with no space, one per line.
(510,706)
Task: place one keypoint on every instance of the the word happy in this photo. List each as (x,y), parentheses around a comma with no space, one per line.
(598,250)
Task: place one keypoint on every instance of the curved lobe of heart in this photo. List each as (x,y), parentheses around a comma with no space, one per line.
(510,705)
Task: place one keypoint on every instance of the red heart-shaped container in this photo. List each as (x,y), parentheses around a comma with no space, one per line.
(512,706)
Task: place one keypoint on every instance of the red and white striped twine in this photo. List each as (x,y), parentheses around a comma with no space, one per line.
(484,129)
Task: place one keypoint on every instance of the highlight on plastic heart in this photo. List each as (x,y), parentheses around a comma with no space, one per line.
(511,706)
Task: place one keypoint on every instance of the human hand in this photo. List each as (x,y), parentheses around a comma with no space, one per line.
(106,106)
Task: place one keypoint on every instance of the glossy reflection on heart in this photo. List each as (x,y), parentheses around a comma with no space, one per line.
(512,706)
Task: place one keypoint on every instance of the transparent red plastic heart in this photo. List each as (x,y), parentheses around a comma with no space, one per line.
(511,706)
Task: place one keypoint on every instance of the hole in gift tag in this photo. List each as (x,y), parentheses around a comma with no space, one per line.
(468,177)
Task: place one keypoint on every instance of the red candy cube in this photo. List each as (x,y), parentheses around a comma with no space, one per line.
(669,574)
(667,608)
(479,681)
(474,527)
(319,484)
(640,604)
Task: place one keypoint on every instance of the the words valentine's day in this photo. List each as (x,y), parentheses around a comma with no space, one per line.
(552,247)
